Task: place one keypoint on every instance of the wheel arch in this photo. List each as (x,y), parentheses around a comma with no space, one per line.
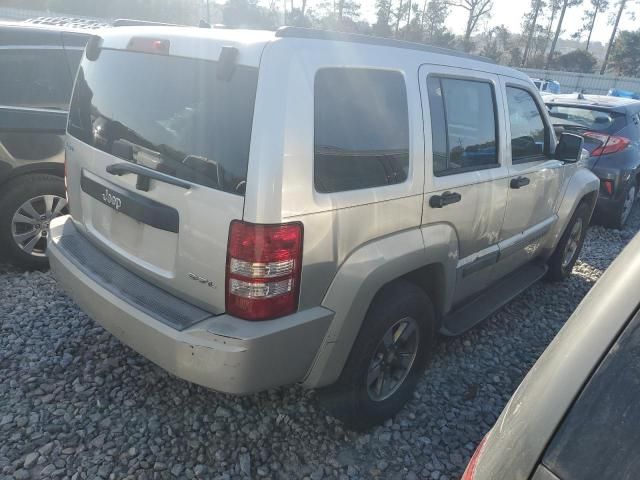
(583,186)
(425,257)
(51,168)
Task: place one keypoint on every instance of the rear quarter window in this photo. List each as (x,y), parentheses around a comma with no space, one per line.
(361,129)
(596,120)
(171,114)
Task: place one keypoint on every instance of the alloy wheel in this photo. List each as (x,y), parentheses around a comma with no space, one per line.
(393,359)
(573,242)
(627,207)
(30,222)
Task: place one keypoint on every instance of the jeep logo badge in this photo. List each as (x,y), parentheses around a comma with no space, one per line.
(110,199)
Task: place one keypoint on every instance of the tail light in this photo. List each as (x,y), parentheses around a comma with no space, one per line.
(470,471)
(264,265)
(610,143)
(607,186)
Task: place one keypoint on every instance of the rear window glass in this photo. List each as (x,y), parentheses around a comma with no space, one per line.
(590,118)
(361,129)
(35,79)
(171,114)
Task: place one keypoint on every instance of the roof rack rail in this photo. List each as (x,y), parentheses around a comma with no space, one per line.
(128,22)
(316,34)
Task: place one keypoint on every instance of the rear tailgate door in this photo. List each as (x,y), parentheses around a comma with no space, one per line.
(157,156)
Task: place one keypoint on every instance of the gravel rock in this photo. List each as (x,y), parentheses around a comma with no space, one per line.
(22,474)
(30,460)
(77,403)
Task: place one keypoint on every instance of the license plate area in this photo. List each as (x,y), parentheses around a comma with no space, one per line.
(131,204)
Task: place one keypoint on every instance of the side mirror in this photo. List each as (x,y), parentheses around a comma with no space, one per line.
(569,147)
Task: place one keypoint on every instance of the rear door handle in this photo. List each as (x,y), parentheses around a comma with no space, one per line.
(519,182)
(447,198)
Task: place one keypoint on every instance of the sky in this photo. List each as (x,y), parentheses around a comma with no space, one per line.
(510,13)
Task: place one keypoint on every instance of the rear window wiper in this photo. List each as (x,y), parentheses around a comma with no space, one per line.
(126,168)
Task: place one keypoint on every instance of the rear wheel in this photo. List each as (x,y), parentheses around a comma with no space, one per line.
(624,210)
(568,249)
(387,358)
(26,208)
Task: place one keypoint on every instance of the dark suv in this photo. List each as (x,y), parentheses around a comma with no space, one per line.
(38,64)
(611,130)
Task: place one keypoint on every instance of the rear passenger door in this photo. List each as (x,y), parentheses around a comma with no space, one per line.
(535,178)
(465,172)
(35,87)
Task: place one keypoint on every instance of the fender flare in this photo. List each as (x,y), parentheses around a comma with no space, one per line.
(363,274)
(582,183)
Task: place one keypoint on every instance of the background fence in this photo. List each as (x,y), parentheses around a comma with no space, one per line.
(589,82)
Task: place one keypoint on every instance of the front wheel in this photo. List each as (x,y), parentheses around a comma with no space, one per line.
(568,249)
(387,358)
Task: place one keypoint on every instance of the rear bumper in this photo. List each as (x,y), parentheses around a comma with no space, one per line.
(607,206)
(619,168)
(219,352)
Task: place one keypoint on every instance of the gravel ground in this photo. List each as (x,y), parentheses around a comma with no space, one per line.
(76,403)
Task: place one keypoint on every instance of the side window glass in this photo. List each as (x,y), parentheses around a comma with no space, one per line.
(73,58)
(463,125)
(38,78)
(361,129)
(527,127)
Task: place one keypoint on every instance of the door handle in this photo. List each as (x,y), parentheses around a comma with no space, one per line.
(439,201)
(519,182)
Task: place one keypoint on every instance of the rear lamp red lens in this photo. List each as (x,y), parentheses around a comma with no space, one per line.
(470,471)
(608,186)
(263,269)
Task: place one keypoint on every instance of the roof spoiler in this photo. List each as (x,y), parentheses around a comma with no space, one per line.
(128,22)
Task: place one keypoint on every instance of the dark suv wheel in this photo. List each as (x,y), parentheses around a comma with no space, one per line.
(387,358)
(568,249)
(623,212)
(27,206)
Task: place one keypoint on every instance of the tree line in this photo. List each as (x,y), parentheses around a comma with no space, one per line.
(535,46)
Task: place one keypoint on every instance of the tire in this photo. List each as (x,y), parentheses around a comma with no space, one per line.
(40,191)
(351,400)
(560,265)
(622,213)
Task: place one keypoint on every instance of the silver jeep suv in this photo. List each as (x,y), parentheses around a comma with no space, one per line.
(253,209)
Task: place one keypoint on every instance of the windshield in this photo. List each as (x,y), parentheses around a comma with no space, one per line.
(589,118)
(171,114)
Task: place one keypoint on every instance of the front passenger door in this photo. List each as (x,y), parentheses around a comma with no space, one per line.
(535,179)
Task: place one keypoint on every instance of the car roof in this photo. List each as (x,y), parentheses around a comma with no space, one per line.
(531,417)
(317,34)
(54,29)
(191,41)
(600,101)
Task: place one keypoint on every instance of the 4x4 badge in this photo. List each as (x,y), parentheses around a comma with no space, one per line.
(200,279)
